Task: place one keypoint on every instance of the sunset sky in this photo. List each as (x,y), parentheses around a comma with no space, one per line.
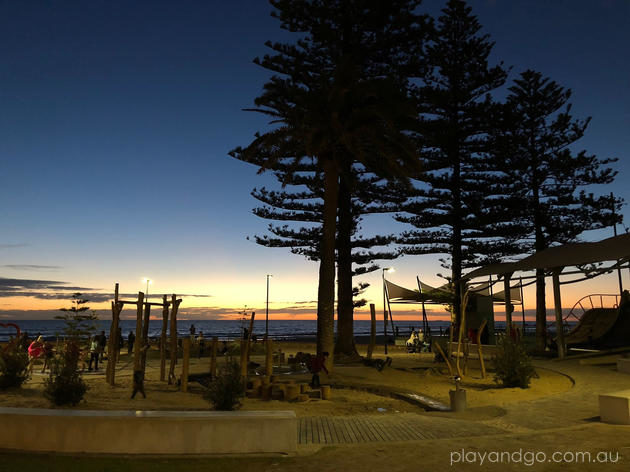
(116,119)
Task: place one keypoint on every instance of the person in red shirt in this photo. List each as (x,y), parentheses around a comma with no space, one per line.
(317,364)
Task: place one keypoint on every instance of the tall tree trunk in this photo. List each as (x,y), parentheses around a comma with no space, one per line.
(456,251)
(539,244)
(541,311)
(326,289)
(345,308)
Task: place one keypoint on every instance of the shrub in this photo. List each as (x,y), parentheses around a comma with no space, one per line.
(65,386)
(13,366)
(225,392)
(513,367)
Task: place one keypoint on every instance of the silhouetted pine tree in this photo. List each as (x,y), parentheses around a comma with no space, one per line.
(338,98)
(360,193)
(456,209)
(549,178)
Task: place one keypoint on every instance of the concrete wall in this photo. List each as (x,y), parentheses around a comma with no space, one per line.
(148,432)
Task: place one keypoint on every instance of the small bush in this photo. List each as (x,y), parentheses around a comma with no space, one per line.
(65,386)
(225,392)
(13,366)
(513,367)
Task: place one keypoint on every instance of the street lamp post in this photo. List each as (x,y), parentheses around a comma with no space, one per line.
(148,282)
(267,310)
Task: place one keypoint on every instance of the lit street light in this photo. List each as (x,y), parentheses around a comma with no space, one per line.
(148,282)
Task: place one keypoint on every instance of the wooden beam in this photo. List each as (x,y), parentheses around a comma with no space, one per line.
(145,334)
(137,355)
(185,364)
(244,358)
(175,306)
(131,302)
(372,344)
(508,304)
(479,350)
(249,334)
(213,357)
(163,339)
(269,360)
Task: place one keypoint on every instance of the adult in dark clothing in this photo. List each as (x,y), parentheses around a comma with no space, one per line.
(317,364)
(102,344)
(130,340)
(121,341)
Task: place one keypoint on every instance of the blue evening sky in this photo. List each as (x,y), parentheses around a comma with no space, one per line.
(116,118)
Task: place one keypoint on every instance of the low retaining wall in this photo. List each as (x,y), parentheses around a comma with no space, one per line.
(148,432)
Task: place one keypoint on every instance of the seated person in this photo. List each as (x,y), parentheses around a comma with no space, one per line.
(413,340)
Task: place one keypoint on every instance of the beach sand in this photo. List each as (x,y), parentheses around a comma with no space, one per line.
(356,388)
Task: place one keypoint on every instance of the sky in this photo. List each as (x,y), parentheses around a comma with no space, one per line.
(116,119)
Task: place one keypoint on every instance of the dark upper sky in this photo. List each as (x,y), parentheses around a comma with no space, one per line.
(116,118)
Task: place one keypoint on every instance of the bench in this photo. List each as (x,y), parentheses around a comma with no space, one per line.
(148,432)
(615,407)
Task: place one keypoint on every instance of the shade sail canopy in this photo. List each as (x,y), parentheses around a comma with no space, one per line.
(443,294)
(483,289)
(610,249)
(398,294)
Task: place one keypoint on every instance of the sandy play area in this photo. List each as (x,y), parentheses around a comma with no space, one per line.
(356,388)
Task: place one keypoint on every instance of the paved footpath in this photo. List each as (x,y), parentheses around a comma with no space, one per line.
(575,407)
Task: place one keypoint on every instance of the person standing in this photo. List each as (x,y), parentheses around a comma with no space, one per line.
(130,340)
(102,343)
(94,353)
(121,342)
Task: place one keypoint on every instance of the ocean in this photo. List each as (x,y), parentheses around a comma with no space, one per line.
(226,329)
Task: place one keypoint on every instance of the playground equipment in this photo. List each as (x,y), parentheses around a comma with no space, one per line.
(553,261)
(143,314)
(602,328)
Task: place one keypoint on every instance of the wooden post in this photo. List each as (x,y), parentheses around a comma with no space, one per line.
(137,347)
(137,355)
(436,346)
(112,350)
(249,334)
(171,370)
(269,359)
(557,301)
(185,364)
(372,331)
(508,304)
(163,339)
(479,350)
(114,341)
(385,330)
(145,334)
(461,329)
(244,358)
(213,357)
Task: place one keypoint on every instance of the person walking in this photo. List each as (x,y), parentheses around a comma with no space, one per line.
(318,363)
